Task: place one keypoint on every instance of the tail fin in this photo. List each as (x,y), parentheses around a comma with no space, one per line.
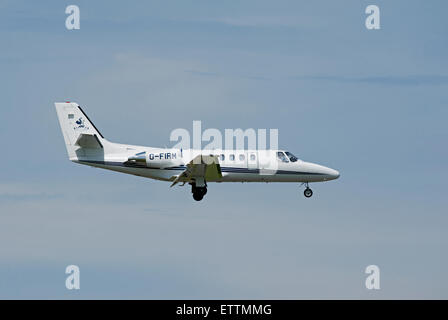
(77,129)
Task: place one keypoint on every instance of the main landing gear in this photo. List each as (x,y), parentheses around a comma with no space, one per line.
(198,192)
(308,192)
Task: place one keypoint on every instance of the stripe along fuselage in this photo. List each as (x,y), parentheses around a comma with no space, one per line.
(235,165)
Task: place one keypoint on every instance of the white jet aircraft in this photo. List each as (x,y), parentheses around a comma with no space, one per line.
(86,145)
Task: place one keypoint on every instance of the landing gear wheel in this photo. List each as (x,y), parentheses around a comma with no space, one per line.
(198,192)
(198,196)
(308,192)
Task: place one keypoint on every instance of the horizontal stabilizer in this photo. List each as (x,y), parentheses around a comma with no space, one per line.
(89,141)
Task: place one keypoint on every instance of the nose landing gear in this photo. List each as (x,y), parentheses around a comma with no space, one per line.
(198,192)
(308,192)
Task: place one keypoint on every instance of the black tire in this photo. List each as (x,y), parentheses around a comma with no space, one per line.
(308,192)
(198,196)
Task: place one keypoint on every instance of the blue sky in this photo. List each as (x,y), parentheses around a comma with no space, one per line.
(371,104)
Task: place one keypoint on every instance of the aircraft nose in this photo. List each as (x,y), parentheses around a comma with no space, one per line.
(330,174)
(334,174)
(325,172)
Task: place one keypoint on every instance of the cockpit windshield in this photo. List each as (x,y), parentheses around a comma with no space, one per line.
(291,157)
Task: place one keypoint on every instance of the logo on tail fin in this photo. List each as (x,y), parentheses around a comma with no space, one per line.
(81,124)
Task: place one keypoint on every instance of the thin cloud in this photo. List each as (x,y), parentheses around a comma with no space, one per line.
(410,80)
(216,74)
(264,21)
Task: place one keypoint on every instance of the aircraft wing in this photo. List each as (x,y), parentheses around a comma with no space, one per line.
(203,166)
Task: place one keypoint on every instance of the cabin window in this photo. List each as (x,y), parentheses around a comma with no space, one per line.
(242,157)
(281,156)
(232,157)
(71,116)
(252,157)
(223,157)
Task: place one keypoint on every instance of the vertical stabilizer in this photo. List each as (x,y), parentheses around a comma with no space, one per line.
(77,129)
